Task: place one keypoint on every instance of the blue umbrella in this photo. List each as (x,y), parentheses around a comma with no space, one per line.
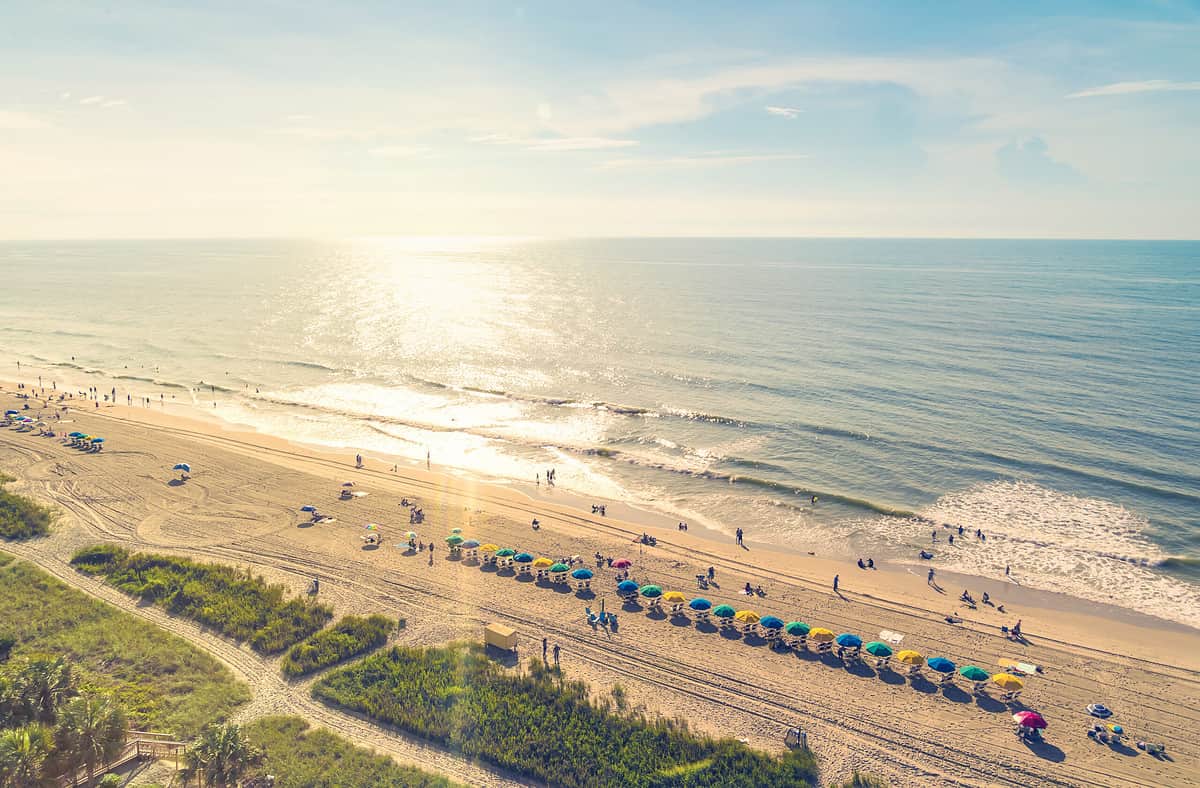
(522,558)
(582,574)
(627,587)
(183,466)
(308,507)
(75,434)
(11,412)
(700,603)
(771,622)
(846,640)
(941,665)
(97,440)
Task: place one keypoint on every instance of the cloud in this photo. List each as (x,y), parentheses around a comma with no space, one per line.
(91,100)
(402,152)
(784,112)
(15,120)
(1030,162)
(556,144)
(115,103)
(710,159)
(1148,86)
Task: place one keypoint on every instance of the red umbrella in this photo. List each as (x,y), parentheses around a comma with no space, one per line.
(622,563)
(1030,719)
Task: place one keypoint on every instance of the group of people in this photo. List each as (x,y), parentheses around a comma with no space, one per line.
(599,509)
(681,527)
(739,534)
(551,475)
(868,564)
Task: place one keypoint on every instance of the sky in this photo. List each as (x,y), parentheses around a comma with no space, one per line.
(328,119)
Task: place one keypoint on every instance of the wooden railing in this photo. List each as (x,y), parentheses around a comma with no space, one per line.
(139,746)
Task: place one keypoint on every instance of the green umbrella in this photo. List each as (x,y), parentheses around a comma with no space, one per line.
(560,568)
(454,540)
(650,591)
(505,552)
(877,649)
(972,673)
(724,611)
(797,629)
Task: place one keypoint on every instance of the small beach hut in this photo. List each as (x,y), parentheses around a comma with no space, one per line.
(1028,723)
(524,562)
(977,676)
(582,578)
(1009,684)
(676,600)
(558,573)
(541,566)
(772,627)
(797,634)
(912,661)
(489,553)
(470,549)
(504,556)
(823,638)
(748,620)
(848,646)
(880,652)
(943,669)
(627,590)
(701,608)
(724,615)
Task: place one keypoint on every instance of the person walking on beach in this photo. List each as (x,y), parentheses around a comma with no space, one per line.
(929,579)
(358,460)
(557,650)
(545,643)
(1006,568)
(835,584)
(739,536)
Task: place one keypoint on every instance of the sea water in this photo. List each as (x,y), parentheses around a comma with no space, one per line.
(1045,392)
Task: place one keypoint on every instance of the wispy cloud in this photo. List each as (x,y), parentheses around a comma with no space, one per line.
(710,159)
(402,152)
(556,144)
(784,112)
(115,103)
(1146,86)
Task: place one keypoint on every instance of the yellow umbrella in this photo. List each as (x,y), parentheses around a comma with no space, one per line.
(674,596)
(1008,682)
(747,616)
(910,657)
(541,563)
(489,548)
(821,635)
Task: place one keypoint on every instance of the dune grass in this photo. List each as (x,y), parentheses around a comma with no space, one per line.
(351,636)
(300,757)
(21,517)
(229,600)
(542,727)
(163,682)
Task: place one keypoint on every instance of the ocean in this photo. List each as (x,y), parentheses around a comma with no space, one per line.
(1045,392)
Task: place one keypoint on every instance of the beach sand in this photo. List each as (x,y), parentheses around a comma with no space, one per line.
(241,506)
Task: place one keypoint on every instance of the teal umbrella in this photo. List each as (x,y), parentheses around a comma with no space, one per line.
(797,629)
(877,649)
(724,611)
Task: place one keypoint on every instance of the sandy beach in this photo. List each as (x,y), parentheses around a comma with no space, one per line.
(241,506)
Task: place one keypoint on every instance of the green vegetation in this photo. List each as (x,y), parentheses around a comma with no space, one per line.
(299,756)
(222,755)
(543,727)
(351,636)
(160,680)
(21,517)
(230,600)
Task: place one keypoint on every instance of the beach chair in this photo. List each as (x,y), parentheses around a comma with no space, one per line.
(525,570)
(583,585)
(654,605)
(676,608)
(471,554)
(881,663)
(824,648)
(772,636)
(750,628)
(945,679)
(592,618)
(701,616)
(849,656)
(559,578)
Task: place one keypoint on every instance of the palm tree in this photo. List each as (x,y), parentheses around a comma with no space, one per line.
(42,685)
(91,731)
(223,754)
(23,751)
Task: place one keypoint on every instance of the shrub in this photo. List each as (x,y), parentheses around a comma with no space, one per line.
(21,517)
(541,726)
(223,597)
(109,781)
(347,638)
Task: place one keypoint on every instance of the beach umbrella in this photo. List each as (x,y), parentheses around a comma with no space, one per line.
(582,574)
(627,587)
(505,552)
(542,563)
(523,558)
(846,640)
(910,657)
(1030,719)
(797,629)
(1117,729)
(972,673)
(456,530)
(771,622)
(10,413)
(489,548)
(372,527)
(700,604)
(347,484)
(308,507)
(821,635)
(471,544)
(454,540)
(94,440)
(941,665)
(556,568)
(411,535)
(622,563)
(74,434)
(1008,682)
(674,597)
(877,649)
(183,466)
(747,616)
(724,611)
(650,592)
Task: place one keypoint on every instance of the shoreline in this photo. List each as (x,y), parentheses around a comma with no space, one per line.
(886,578)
